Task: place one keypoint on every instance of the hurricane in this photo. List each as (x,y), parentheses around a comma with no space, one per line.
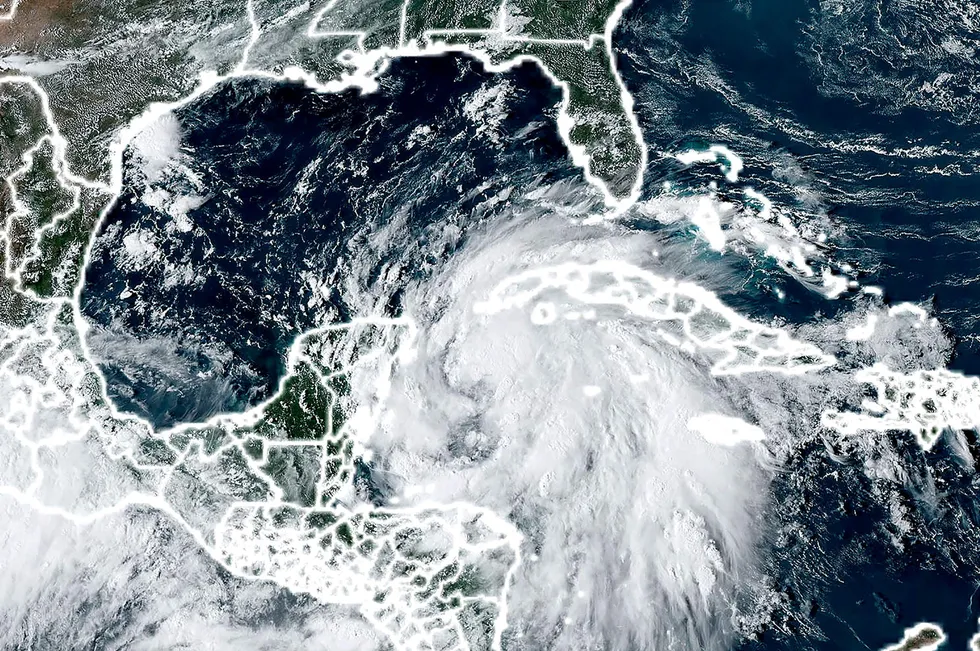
(590,326)
(631,426)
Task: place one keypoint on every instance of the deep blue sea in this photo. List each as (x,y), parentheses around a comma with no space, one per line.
(841,96)
(861,113)
(262,231)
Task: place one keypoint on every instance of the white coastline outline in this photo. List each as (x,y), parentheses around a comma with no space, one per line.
(363,78)
(209,538)
(209,80)
(73,184)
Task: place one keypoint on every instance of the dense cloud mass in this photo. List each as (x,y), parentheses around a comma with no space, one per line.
(382,371)
(572,419)
(635,527)
(140,582)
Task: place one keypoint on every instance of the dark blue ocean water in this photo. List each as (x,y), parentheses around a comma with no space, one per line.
(837,115)
(744,74)
(297,186)
(770,79)
(841,98)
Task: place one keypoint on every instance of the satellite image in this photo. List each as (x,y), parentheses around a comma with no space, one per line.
(531,325)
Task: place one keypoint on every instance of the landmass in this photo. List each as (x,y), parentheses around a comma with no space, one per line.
(921,637)
(77,80)
(922,402)
(266,492)
(100,67)
(724,430)
(681,314)
(280,476)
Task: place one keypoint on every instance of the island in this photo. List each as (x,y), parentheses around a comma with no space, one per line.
(921,637)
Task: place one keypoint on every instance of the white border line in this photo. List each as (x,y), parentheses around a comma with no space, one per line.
(363,79)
